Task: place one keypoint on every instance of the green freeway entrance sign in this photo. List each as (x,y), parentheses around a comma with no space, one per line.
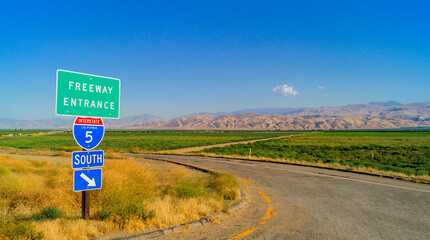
(80,94)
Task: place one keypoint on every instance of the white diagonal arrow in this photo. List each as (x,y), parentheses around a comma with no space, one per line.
(91,182)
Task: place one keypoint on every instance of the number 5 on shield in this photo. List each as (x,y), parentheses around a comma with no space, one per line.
(88,135)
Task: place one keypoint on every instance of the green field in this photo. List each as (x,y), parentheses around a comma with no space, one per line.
(400,152)
(136,142)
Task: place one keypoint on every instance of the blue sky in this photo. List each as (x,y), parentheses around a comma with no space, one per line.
(180,57)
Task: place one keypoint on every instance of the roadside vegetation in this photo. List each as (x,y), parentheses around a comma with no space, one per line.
(134,141)
(37,200)
(402,153)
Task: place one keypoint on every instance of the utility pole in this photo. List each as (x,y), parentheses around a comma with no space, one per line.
(250,152)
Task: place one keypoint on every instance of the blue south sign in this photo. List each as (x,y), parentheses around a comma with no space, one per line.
(87,179)
(88,132)
(87,159)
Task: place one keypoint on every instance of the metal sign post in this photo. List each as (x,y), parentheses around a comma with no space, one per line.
(85,203)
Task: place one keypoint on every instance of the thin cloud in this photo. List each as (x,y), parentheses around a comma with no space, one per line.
(285,90)
(321,87)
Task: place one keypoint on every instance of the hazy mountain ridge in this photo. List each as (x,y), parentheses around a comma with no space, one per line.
(57,123)
(376,115)
(132,120)
(277,111)
(385,111)
(67,122)
(357,116)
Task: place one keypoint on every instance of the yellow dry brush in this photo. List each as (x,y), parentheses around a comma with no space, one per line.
(37,201)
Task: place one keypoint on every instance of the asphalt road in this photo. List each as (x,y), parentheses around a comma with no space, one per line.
(313,203)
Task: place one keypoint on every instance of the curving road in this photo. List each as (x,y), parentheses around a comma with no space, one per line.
(313,203)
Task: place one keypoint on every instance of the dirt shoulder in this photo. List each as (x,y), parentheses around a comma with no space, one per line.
(193,149)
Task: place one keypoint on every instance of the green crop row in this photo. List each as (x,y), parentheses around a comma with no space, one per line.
(407,153)
(134,142)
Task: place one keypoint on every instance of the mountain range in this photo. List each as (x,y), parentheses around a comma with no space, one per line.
(278,111)
(67,122)
(376,115)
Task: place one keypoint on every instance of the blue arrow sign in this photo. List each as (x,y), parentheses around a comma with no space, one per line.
(88,132)
(87,159)
(88,179)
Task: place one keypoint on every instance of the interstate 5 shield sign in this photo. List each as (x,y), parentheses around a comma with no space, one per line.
(88,132)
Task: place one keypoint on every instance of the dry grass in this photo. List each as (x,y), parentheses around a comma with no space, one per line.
(172,211)
(113,155)
(79,229)
(133,197)
(38,152)
(218,219)
(27,185)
